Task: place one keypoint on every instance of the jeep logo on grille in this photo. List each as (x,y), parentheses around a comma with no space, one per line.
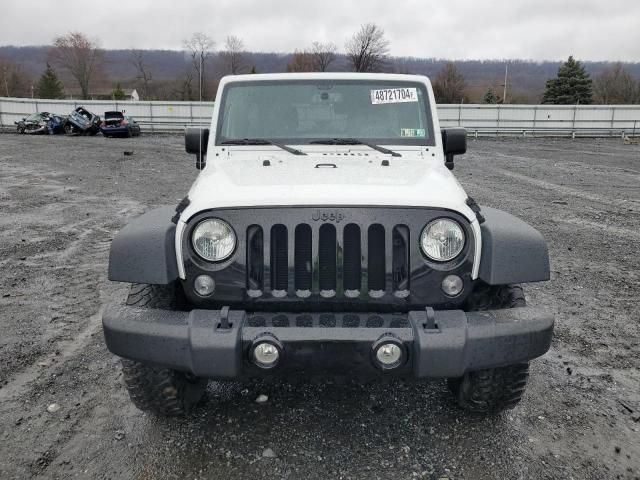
(325,216)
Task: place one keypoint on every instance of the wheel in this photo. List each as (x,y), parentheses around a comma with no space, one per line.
(21,130)
(492,390)
(162,391)
(158,390)
(495,297)
(68,129)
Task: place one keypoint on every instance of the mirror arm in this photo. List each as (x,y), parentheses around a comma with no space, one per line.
(448,161)
(201,161)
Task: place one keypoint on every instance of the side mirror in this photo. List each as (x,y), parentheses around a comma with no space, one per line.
(196,140)
(454,142)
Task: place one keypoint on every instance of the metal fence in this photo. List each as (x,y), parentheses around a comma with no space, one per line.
(479,120)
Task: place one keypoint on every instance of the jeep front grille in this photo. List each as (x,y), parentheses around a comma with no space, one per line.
(349,262)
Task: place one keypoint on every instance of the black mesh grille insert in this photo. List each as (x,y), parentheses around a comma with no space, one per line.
(302,258)
(255,258)
(327,257)
(351,257)
(376,258)
(279,260)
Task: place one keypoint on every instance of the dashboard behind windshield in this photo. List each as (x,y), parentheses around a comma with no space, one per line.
(303,111)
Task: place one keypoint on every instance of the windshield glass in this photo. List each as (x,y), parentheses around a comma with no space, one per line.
(303,111)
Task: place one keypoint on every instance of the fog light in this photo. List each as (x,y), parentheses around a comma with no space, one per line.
(389,355)
(204,285)
(452,285)
(266,355)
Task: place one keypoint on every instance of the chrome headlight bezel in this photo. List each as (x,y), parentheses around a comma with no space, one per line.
(455,227)
(200,227)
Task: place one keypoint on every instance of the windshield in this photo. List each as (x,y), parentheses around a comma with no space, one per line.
(303,111)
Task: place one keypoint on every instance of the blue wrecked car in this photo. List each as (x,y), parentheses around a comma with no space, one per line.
(82,122)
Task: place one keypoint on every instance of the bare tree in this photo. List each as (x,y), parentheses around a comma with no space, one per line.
(368,48)
(232,55)
(199,48)
(79,55)
(143,72)
(323,55)
(449,85)
(13,81)
(616,86)
(301,62)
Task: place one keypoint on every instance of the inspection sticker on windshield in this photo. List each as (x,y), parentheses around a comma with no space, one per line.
(394,95)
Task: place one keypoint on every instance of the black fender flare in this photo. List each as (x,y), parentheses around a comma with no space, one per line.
(512,250)
(144,250)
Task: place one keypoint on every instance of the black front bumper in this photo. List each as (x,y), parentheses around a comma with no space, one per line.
(218,343)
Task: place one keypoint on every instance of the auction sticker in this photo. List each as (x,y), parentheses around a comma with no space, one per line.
(394,95)
(412,132)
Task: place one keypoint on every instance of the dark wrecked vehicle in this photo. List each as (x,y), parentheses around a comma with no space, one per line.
(56,124)
(82,122)
(117,124)
(34,124)
(42,123)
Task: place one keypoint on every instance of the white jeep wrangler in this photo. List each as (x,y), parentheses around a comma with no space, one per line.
(326,235)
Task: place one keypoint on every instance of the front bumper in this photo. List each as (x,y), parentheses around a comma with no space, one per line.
(218,343)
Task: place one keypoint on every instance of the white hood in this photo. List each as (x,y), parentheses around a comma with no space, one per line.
(241,180)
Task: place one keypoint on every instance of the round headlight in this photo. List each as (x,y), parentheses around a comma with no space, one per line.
(213,240)
(442,240)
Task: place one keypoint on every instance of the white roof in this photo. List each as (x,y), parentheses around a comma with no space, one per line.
(324,76)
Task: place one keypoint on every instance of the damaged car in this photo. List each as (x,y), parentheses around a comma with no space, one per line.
(82,122)
(42,123)
(117,124)
(33,124)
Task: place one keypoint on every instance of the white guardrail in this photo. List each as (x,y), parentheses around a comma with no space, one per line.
(479,120)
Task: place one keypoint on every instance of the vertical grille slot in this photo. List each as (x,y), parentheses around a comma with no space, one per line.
(376,258)
(302,257)
(279,258)
(327,257)
(401,258)
(255,258)
(351,257)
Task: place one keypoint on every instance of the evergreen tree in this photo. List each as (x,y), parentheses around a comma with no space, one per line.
(490,97)
(253,69)
(49,86)
(572,85)
(118,93)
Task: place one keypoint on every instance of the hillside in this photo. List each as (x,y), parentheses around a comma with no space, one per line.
(526,78)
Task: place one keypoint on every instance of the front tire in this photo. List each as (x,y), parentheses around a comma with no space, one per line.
(162,391)
(158,390)
(492,390)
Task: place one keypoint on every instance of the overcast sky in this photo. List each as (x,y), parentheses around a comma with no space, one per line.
(455,29)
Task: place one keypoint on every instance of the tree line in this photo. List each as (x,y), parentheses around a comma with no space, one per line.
(82,62)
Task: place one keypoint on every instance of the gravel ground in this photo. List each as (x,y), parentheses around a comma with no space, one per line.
(62,200)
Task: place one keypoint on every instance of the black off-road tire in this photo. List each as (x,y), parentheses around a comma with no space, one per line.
(495,297)
(492,390)
(167,297)
(154,389)
(162,391)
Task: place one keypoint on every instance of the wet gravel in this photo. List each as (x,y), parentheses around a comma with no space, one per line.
(65,414)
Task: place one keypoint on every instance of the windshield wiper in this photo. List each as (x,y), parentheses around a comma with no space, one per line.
(262,141)
(355,141)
